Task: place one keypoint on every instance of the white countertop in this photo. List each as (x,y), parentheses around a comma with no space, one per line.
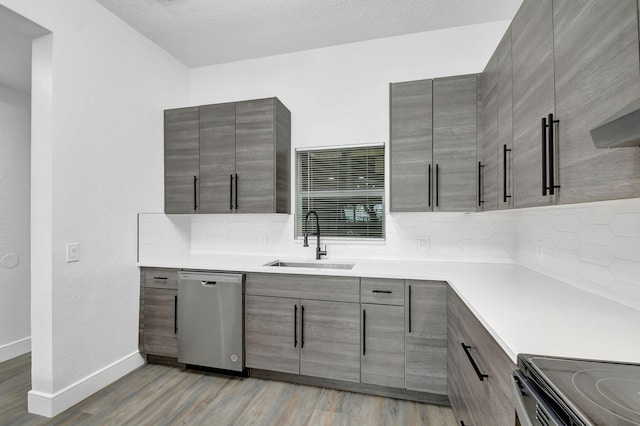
(525,311)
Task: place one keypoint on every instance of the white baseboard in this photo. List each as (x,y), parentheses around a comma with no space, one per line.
(50,405)
(14,349)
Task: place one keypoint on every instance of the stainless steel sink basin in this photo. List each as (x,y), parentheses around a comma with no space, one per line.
(314,265)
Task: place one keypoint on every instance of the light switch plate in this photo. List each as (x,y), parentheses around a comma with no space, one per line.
(73,252)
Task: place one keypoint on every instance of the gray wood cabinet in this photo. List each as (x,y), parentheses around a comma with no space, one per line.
(382,361)
(533,97)
(426,336)
(158,298)
(488,137)
(263,145)
(272,337)
(227,158)
(330,340)
(597,73)
(454,143)
(505,123)
(382,311)
(580,62)
(302,333)
(486,402)
(433,144)
(181,160)
(411,140)
(217,157)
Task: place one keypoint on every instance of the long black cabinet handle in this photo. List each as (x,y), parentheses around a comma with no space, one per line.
(504,173)
(159,278)
(364,332)
(429,185)
(473,363)
(381,291)
(409,309)
(301,326)
(295,326)
(236,191)
(544,156)
(195,193)
(552,183)
(230,192)
(437,184)
(175,314)
(480,200)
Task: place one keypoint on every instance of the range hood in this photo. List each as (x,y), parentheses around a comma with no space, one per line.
(621,130)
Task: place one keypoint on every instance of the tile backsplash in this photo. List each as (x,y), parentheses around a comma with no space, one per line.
(594,246)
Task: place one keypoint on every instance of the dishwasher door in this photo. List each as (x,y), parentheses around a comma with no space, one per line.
(210,328)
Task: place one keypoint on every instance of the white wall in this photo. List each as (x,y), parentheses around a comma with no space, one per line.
(98,147)
(15,292)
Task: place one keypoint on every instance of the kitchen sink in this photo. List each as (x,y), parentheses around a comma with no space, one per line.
(314,265)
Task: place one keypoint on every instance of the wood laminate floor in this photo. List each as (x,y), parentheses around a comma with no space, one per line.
(160,395)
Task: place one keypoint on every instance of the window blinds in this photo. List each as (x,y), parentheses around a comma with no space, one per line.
(345,187)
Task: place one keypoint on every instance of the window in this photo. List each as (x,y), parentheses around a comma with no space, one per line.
(345,187)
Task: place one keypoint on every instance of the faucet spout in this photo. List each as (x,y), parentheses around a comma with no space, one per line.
(319,252)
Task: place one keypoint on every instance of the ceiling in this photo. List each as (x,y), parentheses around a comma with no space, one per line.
(206,32)
(16,34)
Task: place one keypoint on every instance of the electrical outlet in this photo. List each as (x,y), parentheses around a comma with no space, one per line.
(73,252)
(423,243)
(264,240)
(540,250)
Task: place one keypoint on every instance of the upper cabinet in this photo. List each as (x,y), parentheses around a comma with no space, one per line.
(433,144)
(228,158)
(454,143)
(488,137)
(505,122)
(411,136)
(596,74)
(574,65)
(533,101)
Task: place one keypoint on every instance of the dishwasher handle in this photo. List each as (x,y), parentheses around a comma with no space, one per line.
(208,283)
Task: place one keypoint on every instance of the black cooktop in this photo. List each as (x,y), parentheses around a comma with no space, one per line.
(598,392)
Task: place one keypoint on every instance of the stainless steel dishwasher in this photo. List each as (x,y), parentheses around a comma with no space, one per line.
(210,329)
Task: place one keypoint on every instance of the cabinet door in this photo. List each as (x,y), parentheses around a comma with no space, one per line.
(454,143)
(426,336)
(255,156)
(474,401)
(411,145)
(271,333)
(160,328)
(330,340)
(596,74)
(505,123)
(533,97)
(488,138)
(217,157)
(382,361)
(181,160)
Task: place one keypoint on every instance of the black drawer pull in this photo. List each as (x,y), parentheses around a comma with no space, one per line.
(159,278)
(473,363)
(381,291)
(175,314)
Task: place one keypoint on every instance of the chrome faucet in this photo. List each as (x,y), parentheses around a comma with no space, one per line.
(319,253)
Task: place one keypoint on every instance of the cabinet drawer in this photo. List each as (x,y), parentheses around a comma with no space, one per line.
(382,291)
(313,287)
(161,278)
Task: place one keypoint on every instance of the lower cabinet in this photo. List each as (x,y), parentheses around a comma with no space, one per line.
(160,327)
(158,304)
(271,334)
(478,370)
(426,336)
(330,340)
(382,360)
(299,336)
